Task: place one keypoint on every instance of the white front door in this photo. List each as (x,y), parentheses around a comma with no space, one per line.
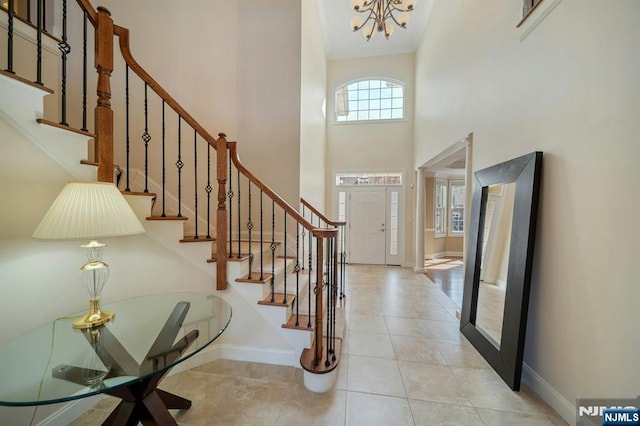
(367,221)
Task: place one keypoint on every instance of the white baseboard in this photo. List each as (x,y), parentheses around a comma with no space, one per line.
(74,409)
(544,390)
(71,411)
(433,256)
(269,356)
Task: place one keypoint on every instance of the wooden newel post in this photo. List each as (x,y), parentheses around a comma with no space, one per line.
(221,218)
(103,112)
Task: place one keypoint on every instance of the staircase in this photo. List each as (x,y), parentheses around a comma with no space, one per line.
(259,251)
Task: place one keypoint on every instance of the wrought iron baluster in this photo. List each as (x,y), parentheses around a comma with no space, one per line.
(164,179)
(146,137)
(297,270)
(343,259)
(334,294)
(84,77)
(230,195)
(273,250)
(195,182)
(310,276)
(10,38)
(328,268)
(303,234)
(65,49)
(126,115)
(249,228)
(239,218)
(284,262)
(44,16)
(179,165)
(28,17)
(39,44)
(261,238)
(208,189)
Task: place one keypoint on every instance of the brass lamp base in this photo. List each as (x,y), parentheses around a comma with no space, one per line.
(94,318)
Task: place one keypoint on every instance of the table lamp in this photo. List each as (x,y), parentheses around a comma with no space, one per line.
(90,211)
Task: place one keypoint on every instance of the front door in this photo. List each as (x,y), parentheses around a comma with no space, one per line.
(367,219)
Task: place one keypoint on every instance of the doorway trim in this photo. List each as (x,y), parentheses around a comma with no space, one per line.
(401,205)
(429,169)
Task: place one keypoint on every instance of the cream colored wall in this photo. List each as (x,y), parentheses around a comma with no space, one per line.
(189,51)
(454,244)
(268,91)
(312,120)
(436,247)
(373,146)
(571,90)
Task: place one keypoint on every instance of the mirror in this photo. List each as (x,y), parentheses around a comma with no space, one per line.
(498,265)
(495,260)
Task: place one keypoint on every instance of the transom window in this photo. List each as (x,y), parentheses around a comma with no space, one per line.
(365,178)
(375,99)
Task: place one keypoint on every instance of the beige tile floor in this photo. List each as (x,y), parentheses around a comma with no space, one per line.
(403,363)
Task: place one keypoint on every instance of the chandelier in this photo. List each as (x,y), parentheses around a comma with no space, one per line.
(379,13)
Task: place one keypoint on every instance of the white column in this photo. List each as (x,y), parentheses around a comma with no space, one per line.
(419,267)
(468,185)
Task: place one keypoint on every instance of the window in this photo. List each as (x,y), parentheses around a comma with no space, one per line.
(456,218)
(440,207)
(364,100)
(380,179)
(393,228)
(342,206)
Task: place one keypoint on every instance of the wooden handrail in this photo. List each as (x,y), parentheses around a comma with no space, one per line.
(92,14)
(320,215)
(123,36)
(316,232)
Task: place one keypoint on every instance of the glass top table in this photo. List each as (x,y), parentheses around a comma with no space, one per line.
(126,357)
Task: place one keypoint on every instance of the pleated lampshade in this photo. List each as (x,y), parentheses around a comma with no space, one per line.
(88,211)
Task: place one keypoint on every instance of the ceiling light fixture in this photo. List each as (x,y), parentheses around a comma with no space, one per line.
(379,12)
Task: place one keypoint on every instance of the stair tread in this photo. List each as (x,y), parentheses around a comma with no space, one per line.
(167,218)
(303,320)
(200,239)
(143,194)
(255,278)
(65,127)
(243,257)
(306,359)
(25,81)
(278,298)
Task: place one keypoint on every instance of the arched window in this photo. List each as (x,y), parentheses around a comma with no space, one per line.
(370,99)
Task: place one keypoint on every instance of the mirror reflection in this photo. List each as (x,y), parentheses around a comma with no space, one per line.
(495,260)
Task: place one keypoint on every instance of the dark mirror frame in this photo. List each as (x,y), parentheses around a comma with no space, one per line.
(525,171)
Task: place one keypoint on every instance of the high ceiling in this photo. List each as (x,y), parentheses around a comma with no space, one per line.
(342,42)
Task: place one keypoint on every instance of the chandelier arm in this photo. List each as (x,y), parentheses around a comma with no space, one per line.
(373,29)
(396,21)
(371,14)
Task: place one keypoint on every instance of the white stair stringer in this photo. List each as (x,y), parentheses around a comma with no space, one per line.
(137,183)
(276,316)
(168,233)
(21,105)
